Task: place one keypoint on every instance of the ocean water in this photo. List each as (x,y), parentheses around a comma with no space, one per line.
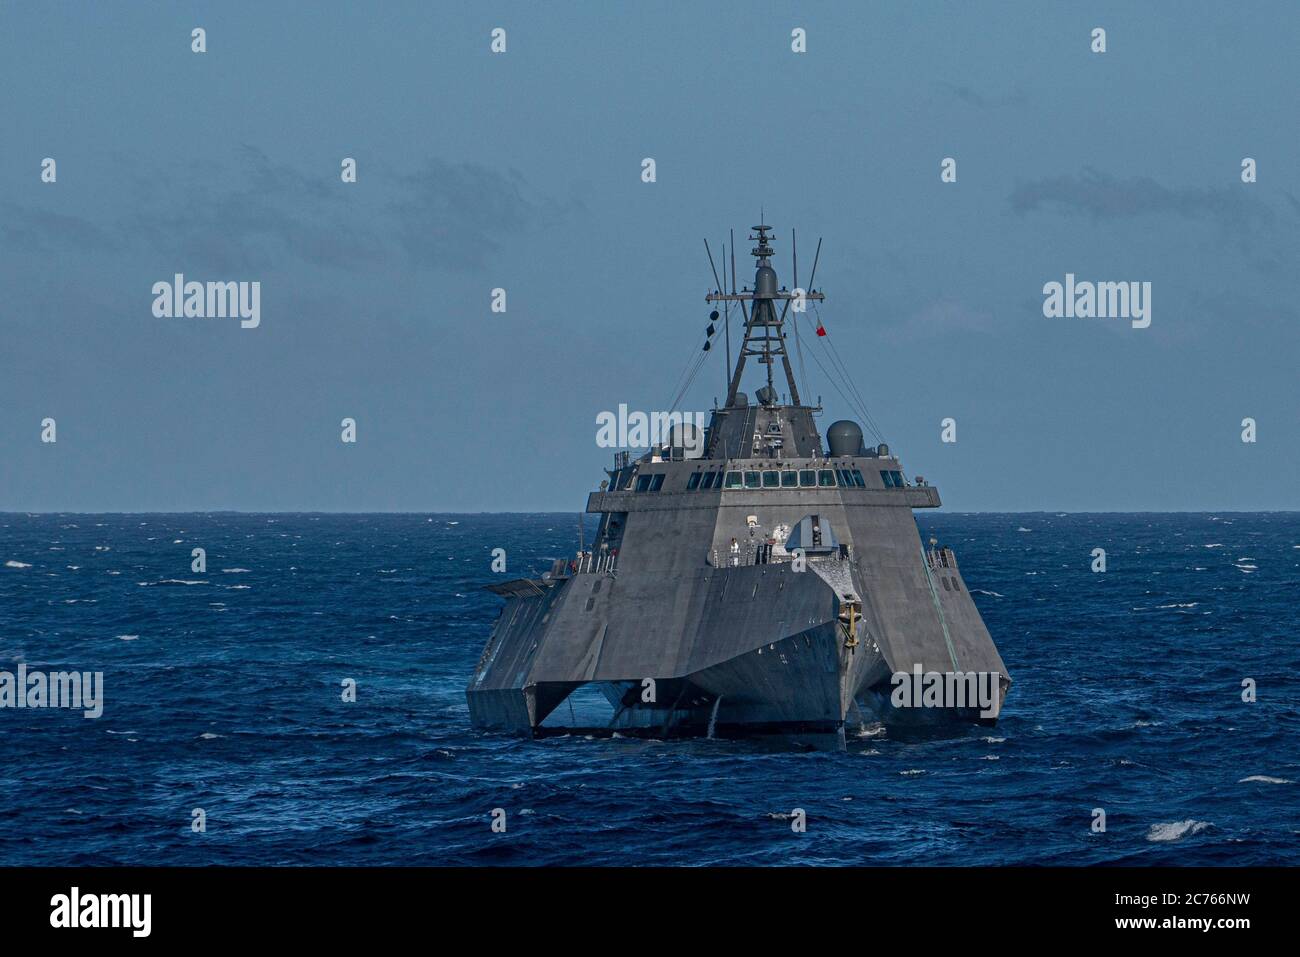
(223,692)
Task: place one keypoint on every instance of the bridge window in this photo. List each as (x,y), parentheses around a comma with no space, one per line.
(657,482)
(898,479)
(771,479)
(858,480)
(887,478)
(790,479)
(733,480)
(709,478)
(807,478)
(826,478)
(752,480)
(693,482)
(845,478)
(642,483)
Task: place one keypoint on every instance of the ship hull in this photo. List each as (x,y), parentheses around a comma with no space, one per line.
(734,651)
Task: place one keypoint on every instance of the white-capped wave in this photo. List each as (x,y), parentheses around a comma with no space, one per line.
(1265,779)
(13,564)
(1176,830)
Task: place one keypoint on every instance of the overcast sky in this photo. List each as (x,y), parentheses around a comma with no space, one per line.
(522,170)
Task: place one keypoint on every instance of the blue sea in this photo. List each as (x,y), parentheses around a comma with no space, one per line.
(223,692)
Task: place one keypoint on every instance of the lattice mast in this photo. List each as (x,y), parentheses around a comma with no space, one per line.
(764,326)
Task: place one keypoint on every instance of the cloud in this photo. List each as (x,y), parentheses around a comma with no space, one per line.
(1267,235)
(943,317)
(970,97)
(1103,196)
(254,213)
(454,215)
(30,229)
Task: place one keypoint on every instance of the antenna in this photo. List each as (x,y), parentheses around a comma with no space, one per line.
(794,250)
(733,262)
(711,266)
(816,257)
(722,287)
(798,343)
(726,319)
(727,307)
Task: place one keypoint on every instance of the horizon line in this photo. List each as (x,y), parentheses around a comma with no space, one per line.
(237,511)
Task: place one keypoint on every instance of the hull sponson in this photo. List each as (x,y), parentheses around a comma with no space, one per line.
(891,573)
(601,628)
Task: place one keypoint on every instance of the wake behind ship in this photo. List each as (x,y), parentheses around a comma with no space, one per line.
(757,581)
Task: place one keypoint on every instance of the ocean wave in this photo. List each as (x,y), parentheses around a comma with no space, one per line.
(1176,830)
(1265,779)
(13,564)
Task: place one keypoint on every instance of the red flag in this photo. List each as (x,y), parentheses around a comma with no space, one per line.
(820,330)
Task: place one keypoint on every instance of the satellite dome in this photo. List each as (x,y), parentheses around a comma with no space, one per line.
(844,438)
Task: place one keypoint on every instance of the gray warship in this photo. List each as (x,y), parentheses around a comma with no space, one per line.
(750,581)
